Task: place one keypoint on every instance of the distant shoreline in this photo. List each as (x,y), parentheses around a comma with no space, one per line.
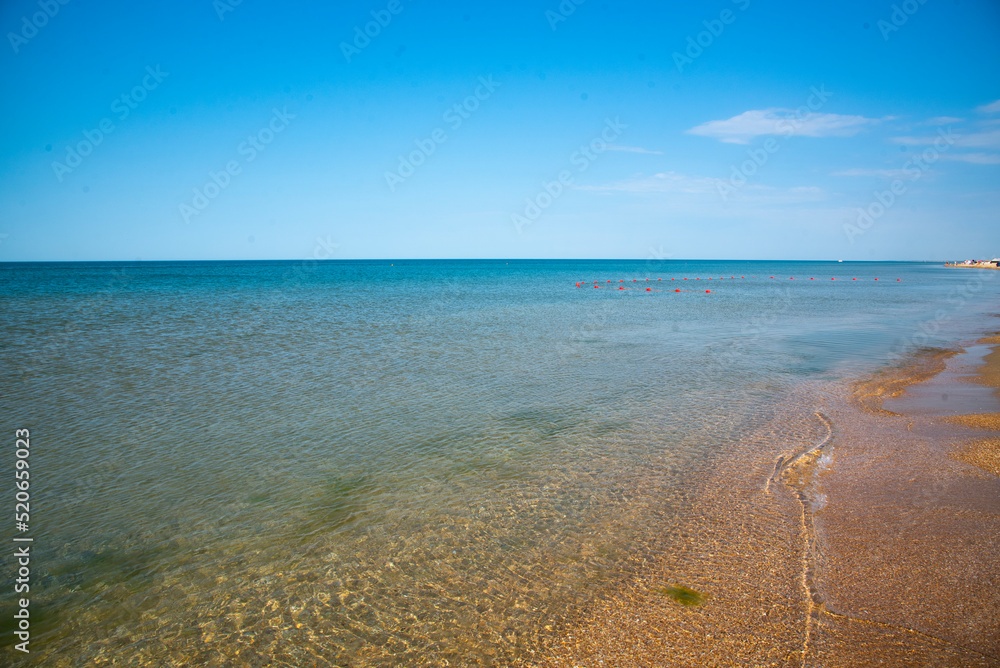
(978,265)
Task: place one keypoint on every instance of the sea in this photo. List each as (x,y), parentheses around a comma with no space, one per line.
(396,462)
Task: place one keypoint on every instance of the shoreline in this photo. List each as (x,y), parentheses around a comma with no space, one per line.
(910,530)
(980,449)
(874,535)
(741,547)
(971,266)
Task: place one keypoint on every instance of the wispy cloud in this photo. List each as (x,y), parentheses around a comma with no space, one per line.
(633,149)
(883,173)
(943,120)
(983,133)
(991,108)
(987,139)
(658,183)
(973,158)
(754,123)
(689,189)
(990,139)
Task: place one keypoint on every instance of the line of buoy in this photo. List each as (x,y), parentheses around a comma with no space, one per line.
(621,287)
(698,278)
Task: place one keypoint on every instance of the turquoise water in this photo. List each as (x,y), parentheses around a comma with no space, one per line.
(398,463)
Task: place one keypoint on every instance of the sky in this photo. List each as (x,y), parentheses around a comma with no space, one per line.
(742,129)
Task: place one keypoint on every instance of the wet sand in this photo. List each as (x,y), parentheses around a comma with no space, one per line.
(871,538)
(911,533)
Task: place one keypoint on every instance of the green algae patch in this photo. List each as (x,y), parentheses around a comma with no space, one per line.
(682,595)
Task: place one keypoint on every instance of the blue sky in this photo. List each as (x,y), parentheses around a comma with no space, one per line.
(728,129)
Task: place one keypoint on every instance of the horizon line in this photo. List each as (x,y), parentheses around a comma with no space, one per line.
(463,259)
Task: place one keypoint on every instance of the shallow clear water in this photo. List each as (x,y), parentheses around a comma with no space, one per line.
(398,463)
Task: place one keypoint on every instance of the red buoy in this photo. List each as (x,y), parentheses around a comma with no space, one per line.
(649,289)
(677,290)
(707,290)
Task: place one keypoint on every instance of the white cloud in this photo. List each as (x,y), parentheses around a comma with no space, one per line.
(706,189)
(943,120)
(883,173)
(974,158)
(991,108)
(988,139)
(633,149)
(810,193)
(913,141)
(658,183)
(754,123)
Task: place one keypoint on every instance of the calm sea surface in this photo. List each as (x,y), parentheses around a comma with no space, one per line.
(396,463)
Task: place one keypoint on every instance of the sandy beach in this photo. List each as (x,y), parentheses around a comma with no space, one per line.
(872,539)
(978,265)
